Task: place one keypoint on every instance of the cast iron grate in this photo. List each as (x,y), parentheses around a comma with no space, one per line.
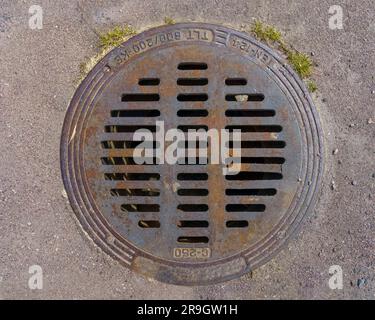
(189,223)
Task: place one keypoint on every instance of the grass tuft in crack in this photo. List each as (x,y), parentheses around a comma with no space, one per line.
(300,62)
(169,20)
(107,41)
(265,32)
(311,85)
(116,36)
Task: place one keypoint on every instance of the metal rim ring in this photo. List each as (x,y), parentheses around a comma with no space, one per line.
(124,251)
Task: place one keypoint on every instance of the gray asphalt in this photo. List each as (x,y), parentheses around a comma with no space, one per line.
(38,69)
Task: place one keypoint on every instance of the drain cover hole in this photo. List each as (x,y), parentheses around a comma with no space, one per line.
(253,175)
(237,224)
(149,224)
(192,97)
(192,192)
(192,176)
(140,97)
(135,192)
(126,161)
(192,81)
(193,224)
(192,66)
(128,128)
(250,192)
(149,82)
(236,82)
(238,207)
(265,160)
(193,207)
(259,144)
(192,113)
(245,97)
(186,128)
(248,128)
(135,113)
(249,113)
(192,239)
(125,144)
(132,176)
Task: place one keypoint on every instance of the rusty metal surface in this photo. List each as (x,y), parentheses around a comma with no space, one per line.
(242,220)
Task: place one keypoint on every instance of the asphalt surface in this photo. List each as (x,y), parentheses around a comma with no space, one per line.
(38,70)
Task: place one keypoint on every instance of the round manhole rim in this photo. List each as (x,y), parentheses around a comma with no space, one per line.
(161,269)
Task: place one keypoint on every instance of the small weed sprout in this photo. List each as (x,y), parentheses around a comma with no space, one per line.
(265,32)
(169,20)
(300,62)
(116,36)
(107,41)
(311,85)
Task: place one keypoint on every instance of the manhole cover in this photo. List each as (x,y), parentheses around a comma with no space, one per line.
(190,223)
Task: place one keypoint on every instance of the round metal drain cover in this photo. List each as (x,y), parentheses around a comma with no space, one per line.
(185,223)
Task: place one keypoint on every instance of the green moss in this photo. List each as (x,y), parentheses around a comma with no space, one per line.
(311,85)
(301,63)
(116,36)
(169,20)
(265,32)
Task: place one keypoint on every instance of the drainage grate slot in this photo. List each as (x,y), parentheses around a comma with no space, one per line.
(149,224)
(236,82)
(192,113)
(141,207)
(139,97)
(249,113)
(192,192)
(244,97)
(192,161)
(192,81)
(259,144)
(193,224)
(250,192)
(264,160)
(149,82)
(135,192)
(135,113)
(237,224)
(238,207)
(253,128)
(193,207)
(192,66)
(192,97)
(128,128)
(186,128)
(120,144)
(132,176)
(192,239)
(251,175)
(126,161)
(192,176)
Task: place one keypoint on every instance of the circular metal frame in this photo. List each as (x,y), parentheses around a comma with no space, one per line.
(98,228)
